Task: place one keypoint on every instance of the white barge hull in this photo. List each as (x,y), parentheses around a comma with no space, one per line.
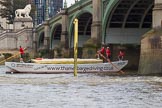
(16,67)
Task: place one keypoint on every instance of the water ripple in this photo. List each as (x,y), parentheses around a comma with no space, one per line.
(84,91)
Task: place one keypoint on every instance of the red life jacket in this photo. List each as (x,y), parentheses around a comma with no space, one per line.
(102,51)
(108,52)
(121,53)
(21,51)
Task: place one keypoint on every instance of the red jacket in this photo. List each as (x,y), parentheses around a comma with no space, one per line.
(102,50)
(121,53)
(21,51)
(108,53)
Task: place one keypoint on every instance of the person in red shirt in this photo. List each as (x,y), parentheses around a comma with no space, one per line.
(21,50)
(102,53)
(121,55)
(108,53)
(102,50)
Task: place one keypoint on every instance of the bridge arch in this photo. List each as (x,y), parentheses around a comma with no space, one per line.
(55,35)
(112,4)
(126,20)
(84,27)
(41,40)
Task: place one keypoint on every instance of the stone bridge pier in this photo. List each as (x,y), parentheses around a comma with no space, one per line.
(157,14)
(96,23)
(151,45)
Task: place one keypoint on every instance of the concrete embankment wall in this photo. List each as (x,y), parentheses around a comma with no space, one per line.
(11,40)
(151,53)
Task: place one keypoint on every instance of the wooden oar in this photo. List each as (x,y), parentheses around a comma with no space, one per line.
(11,57)
(111,63)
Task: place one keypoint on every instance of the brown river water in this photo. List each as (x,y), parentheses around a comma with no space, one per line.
(83,91)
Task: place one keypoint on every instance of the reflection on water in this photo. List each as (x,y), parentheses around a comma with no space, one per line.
(84,91)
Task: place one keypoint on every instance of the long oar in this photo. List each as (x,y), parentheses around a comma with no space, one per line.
(111,63)
(11,57)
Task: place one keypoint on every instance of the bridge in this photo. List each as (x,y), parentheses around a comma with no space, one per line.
(108,21)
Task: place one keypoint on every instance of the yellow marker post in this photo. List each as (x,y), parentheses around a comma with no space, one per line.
(75,45)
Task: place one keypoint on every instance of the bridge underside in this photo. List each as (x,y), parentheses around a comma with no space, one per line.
(132,14)
(56,36)
(41,40)
(128,21)
(84,28)
(125,25)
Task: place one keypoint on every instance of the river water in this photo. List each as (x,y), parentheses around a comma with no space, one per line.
(83,91)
